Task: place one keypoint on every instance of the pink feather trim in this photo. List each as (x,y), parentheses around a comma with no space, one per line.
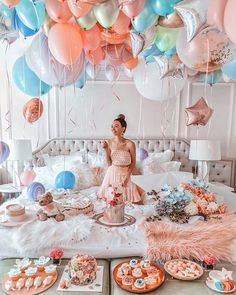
(169,241)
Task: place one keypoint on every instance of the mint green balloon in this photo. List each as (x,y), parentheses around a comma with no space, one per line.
(88,21)
(166,38)
(107,13)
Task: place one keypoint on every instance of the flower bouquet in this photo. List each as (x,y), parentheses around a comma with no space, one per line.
(56,254)
(208,261)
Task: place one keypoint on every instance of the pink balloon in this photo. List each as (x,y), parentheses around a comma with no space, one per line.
(132,8)
(121,26)
(65,43)
(79,8)
(215,14)
(230,20)
(27,177)
(117,54)
(96,56)
(58,11)
(92,38)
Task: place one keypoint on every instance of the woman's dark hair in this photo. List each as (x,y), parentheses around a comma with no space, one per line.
(121,119)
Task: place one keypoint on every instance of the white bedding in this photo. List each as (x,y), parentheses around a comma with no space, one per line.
(102,242)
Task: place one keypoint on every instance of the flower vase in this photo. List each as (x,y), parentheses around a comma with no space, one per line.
(56,261)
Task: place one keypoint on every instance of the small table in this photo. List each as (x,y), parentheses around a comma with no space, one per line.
(9,191)
(7,264)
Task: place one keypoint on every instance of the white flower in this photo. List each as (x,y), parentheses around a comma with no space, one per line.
(191,209)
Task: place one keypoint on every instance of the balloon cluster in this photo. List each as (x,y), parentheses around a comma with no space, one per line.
(158,42)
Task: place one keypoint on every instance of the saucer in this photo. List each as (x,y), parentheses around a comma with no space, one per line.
(211,285)
(29,216)
(129,220)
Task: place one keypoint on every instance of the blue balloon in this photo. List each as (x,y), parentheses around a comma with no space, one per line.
(65,179)
(31,13)
(141,154)
(212,78)
(170,53)
(4,151)
(82,81)
(230,69)
(27,81)
(34,190)
(7,20)
(25,31)
(150,52)
(163,7)
(145,19)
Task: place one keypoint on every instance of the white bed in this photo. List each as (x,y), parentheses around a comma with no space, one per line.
(100,241)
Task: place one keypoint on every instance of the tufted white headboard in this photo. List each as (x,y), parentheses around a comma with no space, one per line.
(221,171)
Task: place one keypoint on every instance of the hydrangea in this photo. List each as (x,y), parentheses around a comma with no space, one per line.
(199,183)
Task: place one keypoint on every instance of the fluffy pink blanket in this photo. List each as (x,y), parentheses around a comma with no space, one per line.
(169,241)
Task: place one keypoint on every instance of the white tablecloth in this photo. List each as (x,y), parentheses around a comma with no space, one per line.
(102,242)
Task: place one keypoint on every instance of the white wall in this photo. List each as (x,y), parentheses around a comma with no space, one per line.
(70,112)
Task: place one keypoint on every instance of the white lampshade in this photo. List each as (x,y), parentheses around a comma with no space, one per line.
(205,150)
(20,149)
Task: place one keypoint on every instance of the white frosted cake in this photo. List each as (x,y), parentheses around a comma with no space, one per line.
(115,210)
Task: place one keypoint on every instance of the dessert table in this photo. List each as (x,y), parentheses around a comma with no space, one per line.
(174,286)
(7,264)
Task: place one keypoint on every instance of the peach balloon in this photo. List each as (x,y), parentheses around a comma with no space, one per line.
(65,43)
(11,3)
(133,8)
(58,11)
(112,37)
(27,177)
(230,20)
(48,23)
(215,13)
(33,110)
(92,38)
(96,56)
(79,8)
(132,63)
(122,24)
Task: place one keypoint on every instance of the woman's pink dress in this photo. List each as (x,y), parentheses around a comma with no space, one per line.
(116,174)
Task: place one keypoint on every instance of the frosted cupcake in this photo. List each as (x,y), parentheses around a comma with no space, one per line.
(127,268)
(41,262)
(134,263)
(14,274)
(137,272)
(152,270)
(22,264)
(127,281)
(31,272)
(120,274)
(144,264)
(50,269)
(139,285)
(150,282)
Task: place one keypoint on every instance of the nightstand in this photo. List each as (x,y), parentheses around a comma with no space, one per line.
(9,191)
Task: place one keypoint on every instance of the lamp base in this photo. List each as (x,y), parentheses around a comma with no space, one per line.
(203,170)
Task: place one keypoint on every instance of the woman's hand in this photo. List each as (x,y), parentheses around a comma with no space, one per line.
(105,145)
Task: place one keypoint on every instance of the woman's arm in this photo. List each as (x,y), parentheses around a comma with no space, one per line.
(107,150)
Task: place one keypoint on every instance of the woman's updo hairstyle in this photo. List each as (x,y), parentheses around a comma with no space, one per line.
(121,119)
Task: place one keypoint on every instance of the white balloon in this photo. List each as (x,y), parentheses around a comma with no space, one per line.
(225,78)
(111,72)
(128,72)
(92,70)
(148,82)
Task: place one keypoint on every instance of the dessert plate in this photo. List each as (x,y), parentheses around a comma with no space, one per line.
(146,290)
(29,216)
(129,220)
(210,284)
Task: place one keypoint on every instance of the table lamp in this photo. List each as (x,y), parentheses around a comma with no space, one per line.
(20,150)
(204,151)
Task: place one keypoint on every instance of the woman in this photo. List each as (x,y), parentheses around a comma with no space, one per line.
(121,159)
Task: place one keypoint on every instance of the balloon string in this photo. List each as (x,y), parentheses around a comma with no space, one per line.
(140,115)
(113,91)
(210,120)
(206,76)
(7,116)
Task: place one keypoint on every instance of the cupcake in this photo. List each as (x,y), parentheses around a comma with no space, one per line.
(120,274)
(127,281)
(137,272)
(134,263)
(126,267)
(31,271)
(152,270)
(22,264)
(41,262)
(139,284)
(50,269)
(14,274)
(144,264)
(150,281)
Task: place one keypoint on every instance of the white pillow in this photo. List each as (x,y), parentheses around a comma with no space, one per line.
(156,181)
(155,167)
(96,159)
(85,176)
(64,162)
(46,176)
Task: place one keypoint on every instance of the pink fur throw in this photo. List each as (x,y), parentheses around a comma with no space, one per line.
(169,241)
